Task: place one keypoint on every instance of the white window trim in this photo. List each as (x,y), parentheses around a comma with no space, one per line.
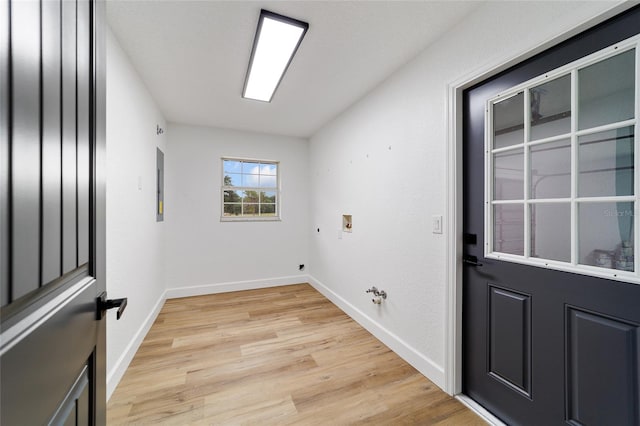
(573,266)
(276,218)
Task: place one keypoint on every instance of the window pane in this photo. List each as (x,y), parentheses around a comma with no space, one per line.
(551,170)
(268,181)
(267,197)
(606,235)
(508,121)
(250,209)
(267,209)
(232,166)
(250,168)
(231,197)
(268,169)
(232,210)
(508,228)
(508,175)
(551,231)
(605,161)
(551,108)
(606,91)
(249,196)
(251,181)
(255,188)
(232,179)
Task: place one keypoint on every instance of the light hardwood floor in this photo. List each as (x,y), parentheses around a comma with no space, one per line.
(283,355)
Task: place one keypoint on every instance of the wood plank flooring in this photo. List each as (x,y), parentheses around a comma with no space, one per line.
(283,355)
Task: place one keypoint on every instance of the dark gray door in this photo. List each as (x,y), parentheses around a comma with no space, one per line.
(543,345)
(52,256)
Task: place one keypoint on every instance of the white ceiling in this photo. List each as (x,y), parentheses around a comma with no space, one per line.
(193,55)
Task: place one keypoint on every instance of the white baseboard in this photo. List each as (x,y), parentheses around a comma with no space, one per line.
(423,364)
(115,375)
(200,290)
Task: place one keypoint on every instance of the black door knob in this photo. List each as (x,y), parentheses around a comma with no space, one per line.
(471,260)
(103,304)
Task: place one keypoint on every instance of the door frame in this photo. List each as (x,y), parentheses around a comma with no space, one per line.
(454,191)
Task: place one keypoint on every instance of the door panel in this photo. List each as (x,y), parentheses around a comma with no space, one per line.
(75,410)
(5,244)
(69,170)
(49,95)
(510,338)
(602,361)
(52,224)
(83,136)
(54,365)
(542,346)
(25,148)
(51,143)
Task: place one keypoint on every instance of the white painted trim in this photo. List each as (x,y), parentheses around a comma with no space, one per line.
(424,365)
(453,308)
(200,290)
(115,375)
(480,410)
(453,222)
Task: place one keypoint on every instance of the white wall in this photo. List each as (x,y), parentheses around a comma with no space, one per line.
(205,255)
(384,161)
(135,257)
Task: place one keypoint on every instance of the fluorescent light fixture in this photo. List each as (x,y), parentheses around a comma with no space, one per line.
(277,40)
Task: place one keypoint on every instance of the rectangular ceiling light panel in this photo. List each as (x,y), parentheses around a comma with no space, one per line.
(277,40)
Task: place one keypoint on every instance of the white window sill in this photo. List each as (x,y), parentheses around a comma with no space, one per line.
(250,219)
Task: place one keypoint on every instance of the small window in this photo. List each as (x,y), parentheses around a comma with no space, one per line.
(250,190)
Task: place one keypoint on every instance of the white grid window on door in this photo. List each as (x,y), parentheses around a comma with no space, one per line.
(560,167)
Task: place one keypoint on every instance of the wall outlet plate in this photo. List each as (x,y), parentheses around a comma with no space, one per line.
(437,224)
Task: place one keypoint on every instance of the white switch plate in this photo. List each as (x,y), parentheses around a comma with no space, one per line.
(437,224)
(139,183)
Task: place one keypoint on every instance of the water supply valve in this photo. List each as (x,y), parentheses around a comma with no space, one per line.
(380,295)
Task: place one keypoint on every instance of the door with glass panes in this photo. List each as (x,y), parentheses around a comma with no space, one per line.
(551,305)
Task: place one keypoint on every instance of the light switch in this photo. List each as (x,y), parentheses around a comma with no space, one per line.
(437,224)
(139,183)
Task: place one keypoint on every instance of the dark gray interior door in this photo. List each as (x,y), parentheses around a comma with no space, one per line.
(543,345)
(52,258)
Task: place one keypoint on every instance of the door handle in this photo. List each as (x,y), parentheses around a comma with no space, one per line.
(103,304)
(471,260)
